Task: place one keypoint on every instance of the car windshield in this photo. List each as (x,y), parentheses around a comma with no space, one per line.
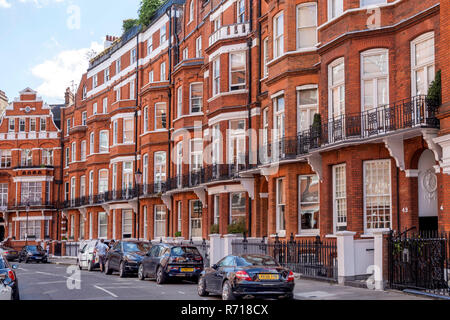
(34,248)
(179,251)
(136,247)
(248,261)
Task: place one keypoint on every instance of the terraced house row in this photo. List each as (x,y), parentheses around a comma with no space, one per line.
(294,117)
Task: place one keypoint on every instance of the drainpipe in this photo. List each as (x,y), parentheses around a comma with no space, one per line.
(249,102)
(136,167)
(259,49)
(169,112)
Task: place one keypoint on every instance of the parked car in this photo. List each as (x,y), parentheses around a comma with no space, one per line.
(247,275)
(5,290)
(166,261)
(9,253)
(125,257)
(10,279)
(33,253)
(86,255)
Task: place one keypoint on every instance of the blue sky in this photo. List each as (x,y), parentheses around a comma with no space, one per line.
(43,43)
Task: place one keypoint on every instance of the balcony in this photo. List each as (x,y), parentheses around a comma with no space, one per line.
(229,32)
(409,114)
(34,204)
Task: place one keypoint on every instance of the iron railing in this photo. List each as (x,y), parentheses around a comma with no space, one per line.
(419,262)
(310,258)
(415,112)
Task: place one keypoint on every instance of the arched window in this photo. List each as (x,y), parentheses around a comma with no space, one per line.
(422,63)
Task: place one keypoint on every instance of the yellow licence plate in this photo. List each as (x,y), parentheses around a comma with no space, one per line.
(268,277)
(187,269)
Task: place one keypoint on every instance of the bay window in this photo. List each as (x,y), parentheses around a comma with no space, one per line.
(306,25)
(179,101)
(91,143)
(31,192)
(145,119)
(196,97)
(216,76)
(160,116)
(278,35)
(74,151)
(102,181)
(103,142)
(237,71)
(128,125)
(47,157)
(335,8)
(83,151)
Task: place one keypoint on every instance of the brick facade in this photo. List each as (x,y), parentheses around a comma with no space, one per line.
(239,66)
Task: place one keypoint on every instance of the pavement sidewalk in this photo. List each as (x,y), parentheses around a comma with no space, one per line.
(65,261)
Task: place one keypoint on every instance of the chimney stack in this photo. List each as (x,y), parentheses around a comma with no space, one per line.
(109,41)
(3,101)
(69,97)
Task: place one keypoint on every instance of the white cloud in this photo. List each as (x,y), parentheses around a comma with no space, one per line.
(5,4)
(58,73)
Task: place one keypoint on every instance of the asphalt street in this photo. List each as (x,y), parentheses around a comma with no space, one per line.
(61,282)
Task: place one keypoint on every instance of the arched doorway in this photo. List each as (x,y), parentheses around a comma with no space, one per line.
(427,184)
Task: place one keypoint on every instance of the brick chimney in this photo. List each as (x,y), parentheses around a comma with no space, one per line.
(69,97)
(109,41)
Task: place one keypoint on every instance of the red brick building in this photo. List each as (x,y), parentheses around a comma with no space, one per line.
(217,104)
(30,170)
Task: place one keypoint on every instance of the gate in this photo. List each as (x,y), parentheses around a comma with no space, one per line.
(57,249)
(310,258)
(420,262)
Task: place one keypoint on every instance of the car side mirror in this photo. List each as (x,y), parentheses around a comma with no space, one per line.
(215,267)
(14,266)
(81,251)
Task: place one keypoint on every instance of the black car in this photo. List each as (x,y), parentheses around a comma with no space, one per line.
(11,278)
(166,261)
(10,253)
(125,257)
(247,275)
(33,253)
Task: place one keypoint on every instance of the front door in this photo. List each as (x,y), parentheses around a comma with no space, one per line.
(427,185)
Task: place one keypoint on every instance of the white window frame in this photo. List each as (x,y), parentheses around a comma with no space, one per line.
(298,28)
(315,231)
(83,118)
(265,57)
(105,105)
(179,101)
(92,143)
(191,11)
(191,98)
(339,10)
(102,227)
(163,128)
(150,45)
(160,221)
(280,231)
(240,15)
(102,185)
(414,67)
(106,75)
(115,132)
(278,38)
(74,152)
(375,78)
(216,77)
(376,2)
(162,34)
(387,162)
(198,47)
(332,86)
(237,86)
(145,119)
(131,131)
(337,224)
(160,170)
(191,219)
(162,75)
(310,108)
(103,148)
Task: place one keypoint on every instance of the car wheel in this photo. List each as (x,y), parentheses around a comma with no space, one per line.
(90,266)
(19,260)
(227,291)
(160,276)
(201,288)
(141,275)
(26,260)
(108,270)
(122,270)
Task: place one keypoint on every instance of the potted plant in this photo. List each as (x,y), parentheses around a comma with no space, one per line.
(237,227)
(434,96)
(214,229)
(316,129)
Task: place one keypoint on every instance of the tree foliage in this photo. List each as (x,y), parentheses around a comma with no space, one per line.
(128,24)
(435,90)
(147,9)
